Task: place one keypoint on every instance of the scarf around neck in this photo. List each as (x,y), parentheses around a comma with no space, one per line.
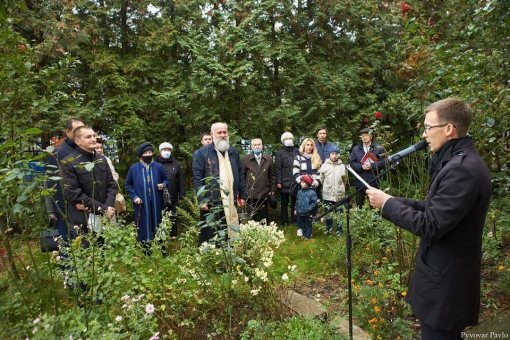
(437,156)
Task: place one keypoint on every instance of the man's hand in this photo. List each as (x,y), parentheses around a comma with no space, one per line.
(366,166)
(242,202)
(81,207)
(204,207)
(377,197)
(110,212)
(279,186)
(160,186)
(138,200)
(52,216)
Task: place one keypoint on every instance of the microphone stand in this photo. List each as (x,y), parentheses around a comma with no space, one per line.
(348,239)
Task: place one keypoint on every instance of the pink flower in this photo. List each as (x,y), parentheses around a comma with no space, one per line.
(149,309)
(155,336)
(378,115)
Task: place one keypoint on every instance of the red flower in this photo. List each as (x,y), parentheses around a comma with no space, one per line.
(378,115)
(3,251)
(405,8)
(366,120)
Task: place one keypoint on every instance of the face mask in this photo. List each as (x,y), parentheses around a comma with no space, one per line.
(257,152)
(288,142)
(166,154)
(147,159)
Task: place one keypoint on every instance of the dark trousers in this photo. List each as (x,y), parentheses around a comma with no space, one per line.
(285,208)
(257,208)
(360,198)
(207,232)
(428,333)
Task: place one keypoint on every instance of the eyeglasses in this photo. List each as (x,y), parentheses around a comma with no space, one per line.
(427,128)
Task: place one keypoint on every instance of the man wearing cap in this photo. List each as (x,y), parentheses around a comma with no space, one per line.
(177,191)
(367,159)
(144,183)
(285,179)
(333,177)
(260,180)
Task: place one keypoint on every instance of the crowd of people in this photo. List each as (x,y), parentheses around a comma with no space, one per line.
(249,184)
(444,290)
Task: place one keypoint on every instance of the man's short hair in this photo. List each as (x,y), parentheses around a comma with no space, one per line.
(453,111)
(79,131)
(321,128)
(255,139)
(204,134)
(69,123)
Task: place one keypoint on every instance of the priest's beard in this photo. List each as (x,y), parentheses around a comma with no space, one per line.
(221,144)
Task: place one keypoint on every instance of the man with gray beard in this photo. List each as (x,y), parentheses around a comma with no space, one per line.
(217,168)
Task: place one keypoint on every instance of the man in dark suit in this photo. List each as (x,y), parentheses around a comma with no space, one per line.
(444,291)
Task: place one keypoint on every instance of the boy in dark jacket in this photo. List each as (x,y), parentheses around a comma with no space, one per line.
(306,206)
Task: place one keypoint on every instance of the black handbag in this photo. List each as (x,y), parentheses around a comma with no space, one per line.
(49,237)
(167,198)
(294,188)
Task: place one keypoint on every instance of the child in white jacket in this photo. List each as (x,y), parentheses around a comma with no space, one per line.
(333,176)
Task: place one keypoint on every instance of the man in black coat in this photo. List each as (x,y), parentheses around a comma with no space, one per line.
(55,206)
(444,292)
(87,190)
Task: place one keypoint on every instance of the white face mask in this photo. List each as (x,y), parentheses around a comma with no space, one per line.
(165,154)
(288,142)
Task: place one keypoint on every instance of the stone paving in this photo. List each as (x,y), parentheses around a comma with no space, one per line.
(309,307)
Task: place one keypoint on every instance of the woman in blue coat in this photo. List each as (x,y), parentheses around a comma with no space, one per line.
(144,183)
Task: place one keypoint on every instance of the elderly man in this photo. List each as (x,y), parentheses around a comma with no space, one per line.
(260,180)
(444,291)
(217,168)
(367,159)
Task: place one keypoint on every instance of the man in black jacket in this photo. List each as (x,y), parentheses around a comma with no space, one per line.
(88,189)
(444,291)
(55,206)
(176,189)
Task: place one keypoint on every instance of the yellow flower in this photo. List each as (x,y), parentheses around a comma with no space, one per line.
(372,320)
(385,259)
(374,326)
(352,281)
(388,251)
(501,268)
(377,309)
(377,262)
(369,282)
(376,273)
(356,287)
(374,301)
(404,293)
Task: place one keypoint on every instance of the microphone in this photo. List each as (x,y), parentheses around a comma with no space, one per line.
(413,148)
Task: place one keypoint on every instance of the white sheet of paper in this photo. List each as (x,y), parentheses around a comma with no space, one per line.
(357,176)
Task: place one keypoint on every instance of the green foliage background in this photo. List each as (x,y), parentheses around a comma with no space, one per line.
(167,70)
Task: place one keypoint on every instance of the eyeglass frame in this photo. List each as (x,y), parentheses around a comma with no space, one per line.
(427,128)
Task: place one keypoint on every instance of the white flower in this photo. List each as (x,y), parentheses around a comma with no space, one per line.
(46,326)
(125,297)
(489,234)
(285,277)
(35,330)
(254,291)
(36,321)
(118,318)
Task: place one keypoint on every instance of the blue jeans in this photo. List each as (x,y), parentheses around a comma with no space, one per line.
(329,220)
(306,225)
